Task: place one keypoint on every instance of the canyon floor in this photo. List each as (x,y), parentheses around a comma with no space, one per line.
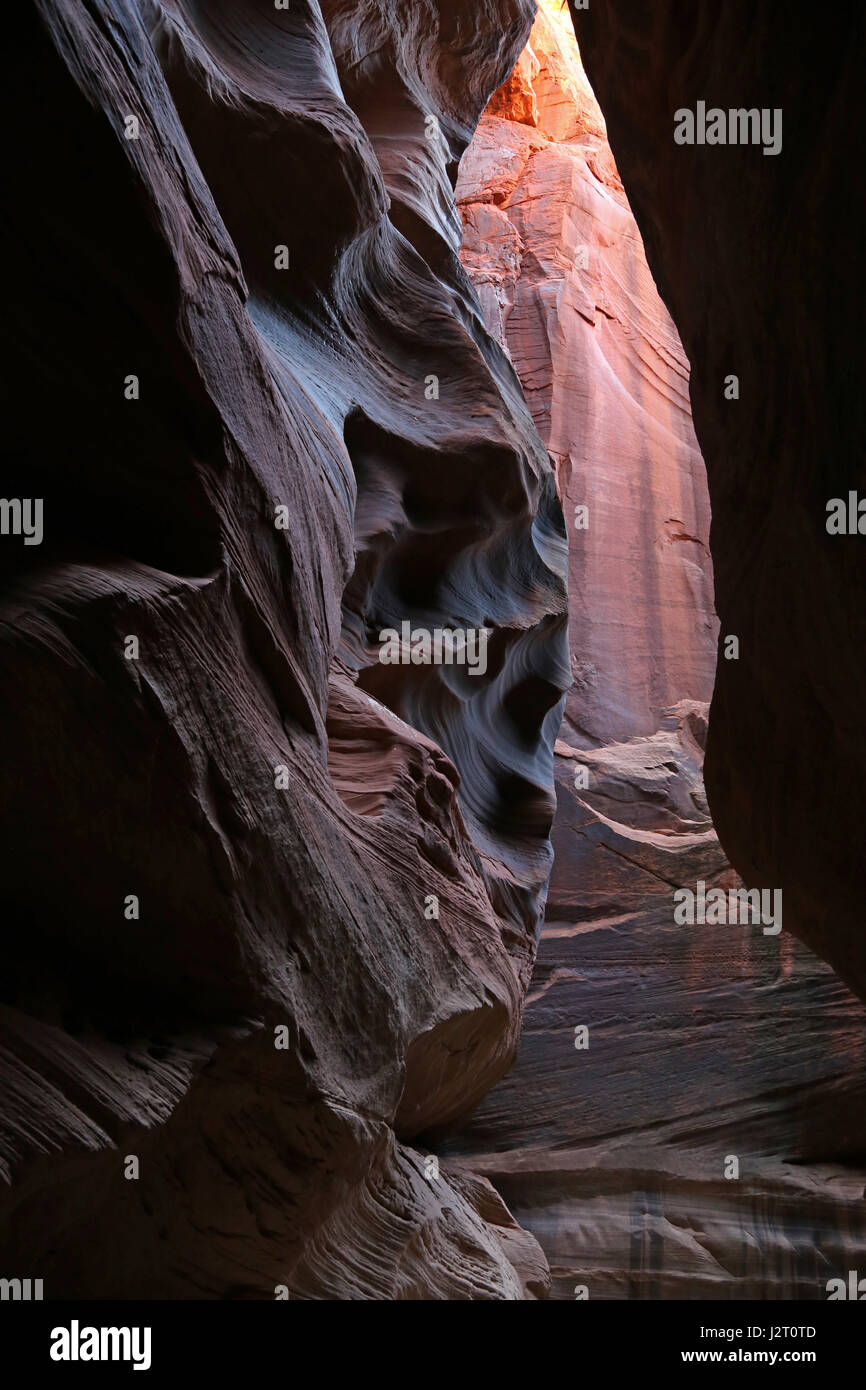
(703,1046)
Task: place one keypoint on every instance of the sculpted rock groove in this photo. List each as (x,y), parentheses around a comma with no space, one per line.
(235,833)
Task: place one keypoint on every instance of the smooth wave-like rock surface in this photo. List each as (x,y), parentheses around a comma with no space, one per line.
(255,392)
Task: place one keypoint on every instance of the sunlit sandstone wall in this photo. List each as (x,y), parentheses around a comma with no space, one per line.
(557,259)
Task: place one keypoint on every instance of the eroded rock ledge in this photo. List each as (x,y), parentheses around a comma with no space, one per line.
(270,248)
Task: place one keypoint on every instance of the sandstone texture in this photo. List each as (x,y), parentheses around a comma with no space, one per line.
(242,828)
(703,1044)
(270,906)
(758,258)
(653,1054)
(557,259)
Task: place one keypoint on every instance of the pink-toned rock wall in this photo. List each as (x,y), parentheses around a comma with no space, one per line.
(557,260)
(700,1041)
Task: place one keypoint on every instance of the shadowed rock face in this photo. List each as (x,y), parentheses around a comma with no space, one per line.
(759,261)
(245,829)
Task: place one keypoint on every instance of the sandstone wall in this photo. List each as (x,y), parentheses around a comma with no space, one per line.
(758,258)
(269,246)
(557,260)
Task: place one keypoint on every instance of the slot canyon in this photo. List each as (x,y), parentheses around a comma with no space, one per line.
(607,1150)
(335,977)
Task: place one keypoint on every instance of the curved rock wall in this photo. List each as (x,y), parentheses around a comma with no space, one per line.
(759,260)
(270,904)
(654,1056)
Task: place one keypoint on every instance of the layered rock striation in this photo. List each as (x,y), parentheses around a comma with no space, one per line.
(687,1116)
(270,905)
(557,260)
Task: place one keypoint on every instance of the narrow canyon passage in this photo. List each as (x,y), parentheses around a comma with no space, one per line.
(358,553)
(687,1116)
